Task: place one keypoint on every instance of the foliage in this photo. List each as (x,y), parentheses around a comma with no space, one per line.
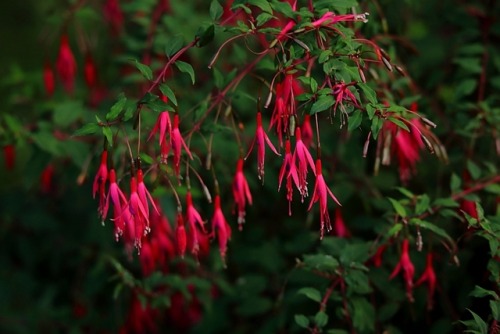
(381,132)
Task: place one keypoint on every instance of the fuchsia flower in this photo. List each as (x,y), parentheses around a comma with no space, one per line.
(195,223)
(100,180)
(241,193)
(339,227)
(302,159)
(49,80)
(321,193)
(90,71)
(9,155)
(66,65)
(406,265)
(140,218)
(290,169)
(181,235)
(119,204)
(221,227)
(261,139)
(342,93)
(177,144)
(330,18)
(144,194)
(428,276)
(377,258)
(164,125)
(46,179)
(307,131)
(114,15)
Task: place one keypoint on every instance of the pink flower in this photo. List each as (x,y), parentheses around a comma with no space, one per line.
(140,218)
(342,93)
(261,139)
(195,223)
(320,194)
(288,167)
(241,193)
(66,65)
(221,227)
(406,265)
(119,204)
(100,180)
(49,80)
(177,144)
(377,258)
(307,131)
(302,159)
(144,194)
(46,179)
(90,71)
(181,235)
(113,14)
(9,154)
(164,125)
(428,276)
(339,228)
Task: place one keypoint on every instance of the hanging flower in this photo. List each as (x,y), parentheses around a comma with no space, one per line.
(320,194)
(428,276)
(46,179)
(241,193)
(181,235)
(408,269)
(164,125)
(100,180)
(66,65)
(307,131)
(288,167)
(261,139)
(195,223)
(302,159)
(177,144)
(377,258)
(114,15)
(339,227)
(9,155)
(140,218)
(144,194)
(119,202)
(49,80)
(221,227)
(90,71)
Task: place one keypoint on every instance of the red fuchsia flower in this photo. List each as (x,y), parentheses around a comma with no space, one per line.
(90,71)
(330,18)
(408,269)
(302,159)
(339,227)
(147,259)
(241,193)
(144,194)
(320,194)
(161,239)
(342,93)
(9,155)
(114,15)
(46,179)
(100,181)
(177,144)
(286,29)
(288,167)
(140,218)
(428,276)
(377,258)
(307,131)
(66,65)
(49,80)
(164,125)
(221,227)
(470,208)
(119,202)
(261,139)
(180,234)
(195,223)
(140,319)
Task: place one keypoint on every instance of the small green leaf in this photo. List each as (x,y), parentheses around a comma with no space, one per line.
(446,202)
(495,309)
(355,120)
(302,320)
(394,230)
(205,35)
(480,323)
(185,68)
(262,4)
(165,90)
(423,204)
(370,110)
(342,4)
(216,10)
(173,45)
(482,292)
(324,102)
(473,169)
(117,108)
(405,192)
(400,210)
(144,69)
(399,123)
(455,183)
(263,18)
(87,129)
(321,319)
(431,227)
(106,131)
(369,93)
(377,123)
(310,293)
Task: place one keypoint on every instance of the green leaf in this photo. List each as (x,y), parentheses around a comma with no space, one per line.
(482,292)
(324,55)
(301,320)
(394,230)
(377,123)
(185,68)
(473,169)
(263,18)
(431,227)
(465,87)
(67,113)
(370,110)
(495,309)
(321,262)
(480,323)
(144,69)
(399,123)
(310,293)
(446,202)
(423,204)
(455,183)
(165,90)
(205,35)
(405,192)
(216,10)
(321,319)
(87,129)
(47,142)
(342,4)
(117,108)
(262,4)
(324,102)
(355,120)
(369,93)
(363,314)
(400,210)
(493,188)
(174,44)
(106,131)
